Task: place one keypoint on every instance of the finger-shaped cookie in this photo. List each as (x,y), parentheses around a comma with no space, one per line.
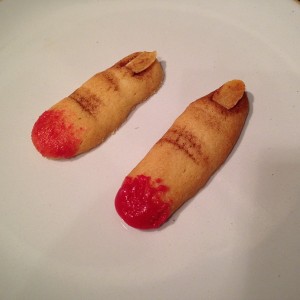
(96,109)
(183,160)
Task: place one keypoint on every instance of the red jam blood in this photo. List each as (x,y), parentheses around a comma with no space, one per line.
(139,202)
(53,137)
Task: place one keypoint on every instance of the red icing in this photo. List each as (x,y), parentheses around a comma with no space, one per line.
(53,137)
(139,202)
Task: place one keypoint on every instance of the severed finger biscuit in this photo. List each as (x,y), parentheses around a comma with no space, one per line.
(182,161)
(95,110)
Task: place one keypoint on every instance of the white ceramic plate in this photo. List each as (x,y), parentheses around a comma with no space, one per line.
(60,237)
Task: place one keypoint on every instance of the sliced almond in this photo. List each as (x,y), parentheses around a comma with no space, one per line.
(142,62)
(229,94)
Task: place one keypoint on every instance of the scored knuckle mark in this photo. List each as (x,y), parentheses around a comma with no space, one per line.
(183,140)
(113,81)
(88,101)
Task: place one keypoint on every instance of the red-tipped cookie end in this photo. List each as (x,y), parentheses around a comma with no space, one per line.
(53,137)
(139,202)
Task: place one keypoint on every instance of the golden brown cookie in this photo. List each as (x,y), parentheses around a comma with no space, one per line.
(183,160)
(92,112)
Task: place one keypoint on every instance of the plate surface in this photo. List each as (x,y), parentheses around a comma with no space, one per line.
(238,238)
